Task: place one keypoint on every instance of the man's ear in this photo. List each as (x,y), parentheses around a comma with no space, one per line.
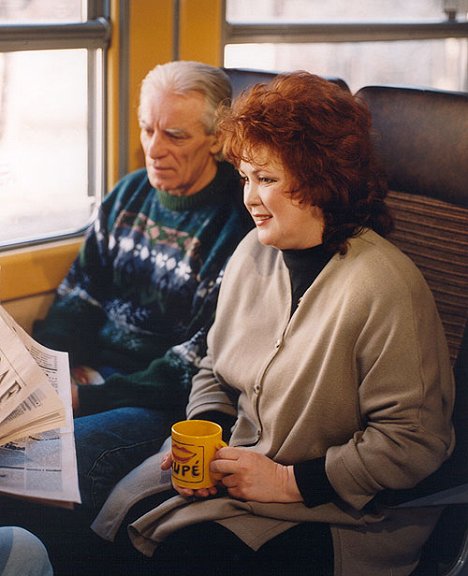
(216,145)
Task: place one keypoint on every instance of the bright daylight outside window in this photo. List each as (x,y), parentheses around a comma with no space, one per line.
(437,63)
(50,144)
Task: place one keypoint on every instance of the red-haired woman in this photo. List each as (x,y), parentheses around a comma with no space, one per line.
(327,356)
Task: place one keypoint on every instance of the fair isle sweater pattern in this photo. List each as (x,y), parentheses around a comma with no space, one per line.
(145,284)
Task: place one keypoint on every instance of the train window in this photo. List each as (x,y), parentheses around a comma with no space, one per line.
(42,11)
(339,10)
(406,42)
(51,117)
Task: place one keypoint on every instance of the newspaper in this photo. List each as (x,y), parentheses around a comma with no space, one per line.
(37,446)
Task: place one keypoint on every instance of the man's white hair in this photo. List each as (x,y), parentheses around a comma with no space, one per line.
(182,76)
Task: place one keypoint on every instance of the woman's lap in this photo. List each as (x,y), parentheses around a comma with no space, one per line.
(209,549)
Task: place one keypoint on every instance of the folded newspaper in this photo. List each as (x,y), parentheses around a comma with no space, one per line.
(37,445)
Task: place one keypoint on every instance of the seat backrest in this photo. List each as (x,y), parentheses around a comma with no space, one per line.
(242,78)
(422,139)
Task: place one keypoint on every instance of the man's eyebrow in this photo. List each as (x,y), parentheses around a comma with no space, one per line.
(142,121)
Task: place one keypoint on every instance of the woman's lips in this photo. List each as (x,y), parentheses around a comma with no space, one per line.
(259,219)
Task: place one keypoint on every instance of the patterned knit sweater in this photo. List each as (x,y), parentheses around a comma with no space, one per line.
(141,295)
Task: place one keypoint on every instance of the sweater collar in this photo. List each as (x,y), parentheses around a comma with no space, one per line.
(297,260)
(213,192)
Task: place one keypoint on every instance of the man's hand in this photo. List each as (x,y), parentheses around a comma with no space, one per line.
(75,397)
(86,375)
(82,376)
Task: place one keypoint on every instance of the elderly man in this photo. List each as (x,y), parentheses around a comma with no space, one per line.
(136,305)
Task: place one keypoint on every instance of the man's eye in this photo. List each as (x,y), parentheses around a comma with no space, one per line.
(176,136)
(147,131)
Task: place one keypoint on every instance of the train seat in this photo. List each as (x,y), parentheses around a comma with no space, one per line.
(421,136)
(242,78)
(422,139)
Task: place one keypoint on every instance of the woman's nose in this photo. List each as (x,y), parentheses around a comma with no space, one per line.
(251,197)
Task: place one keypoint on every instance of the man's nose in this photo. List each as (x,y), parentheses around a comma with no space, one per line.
(157,147)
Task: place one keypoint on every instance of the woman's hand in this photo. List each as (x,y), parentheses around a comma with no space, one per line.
(166,464)
(248,475)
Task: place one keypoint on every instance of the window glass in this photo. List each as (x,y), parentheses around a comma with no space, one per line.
(438,64)
(339,10)
(431,63)
(41,11)
(43,143)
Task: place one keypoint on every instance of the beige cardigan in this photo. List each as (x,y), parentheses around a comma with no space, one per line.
(360,374)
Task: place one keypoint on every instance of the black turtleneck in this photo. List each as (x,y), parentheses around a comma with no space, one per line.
(304,266)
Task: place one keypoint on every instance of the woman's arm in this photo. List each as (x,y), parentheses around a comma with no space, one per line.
(208,394)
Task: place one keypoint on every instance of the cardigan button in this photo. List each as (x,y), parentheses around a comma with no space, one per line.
(278,343)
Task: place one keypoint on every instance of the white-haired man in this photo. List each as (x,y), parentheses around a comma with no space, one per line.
(139,299)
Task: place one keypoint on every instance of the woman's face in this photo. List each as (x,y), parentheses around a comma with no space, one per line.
(281,221)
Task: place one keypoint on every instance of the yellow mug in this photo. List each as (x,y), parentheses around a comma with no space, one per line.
(194,444)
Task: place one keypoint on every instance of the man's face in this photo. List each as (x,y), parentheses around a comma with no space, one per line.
(179,154)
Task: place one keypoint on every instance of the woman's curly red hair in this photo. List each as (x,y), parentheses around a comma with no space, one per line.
(321,134)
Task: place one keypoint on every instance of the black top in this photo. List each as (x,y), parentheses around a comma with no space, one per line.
(304,266)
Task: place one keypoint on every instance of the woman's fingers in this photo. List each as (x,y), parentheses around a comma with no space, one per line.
(222,467)
(166,461)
